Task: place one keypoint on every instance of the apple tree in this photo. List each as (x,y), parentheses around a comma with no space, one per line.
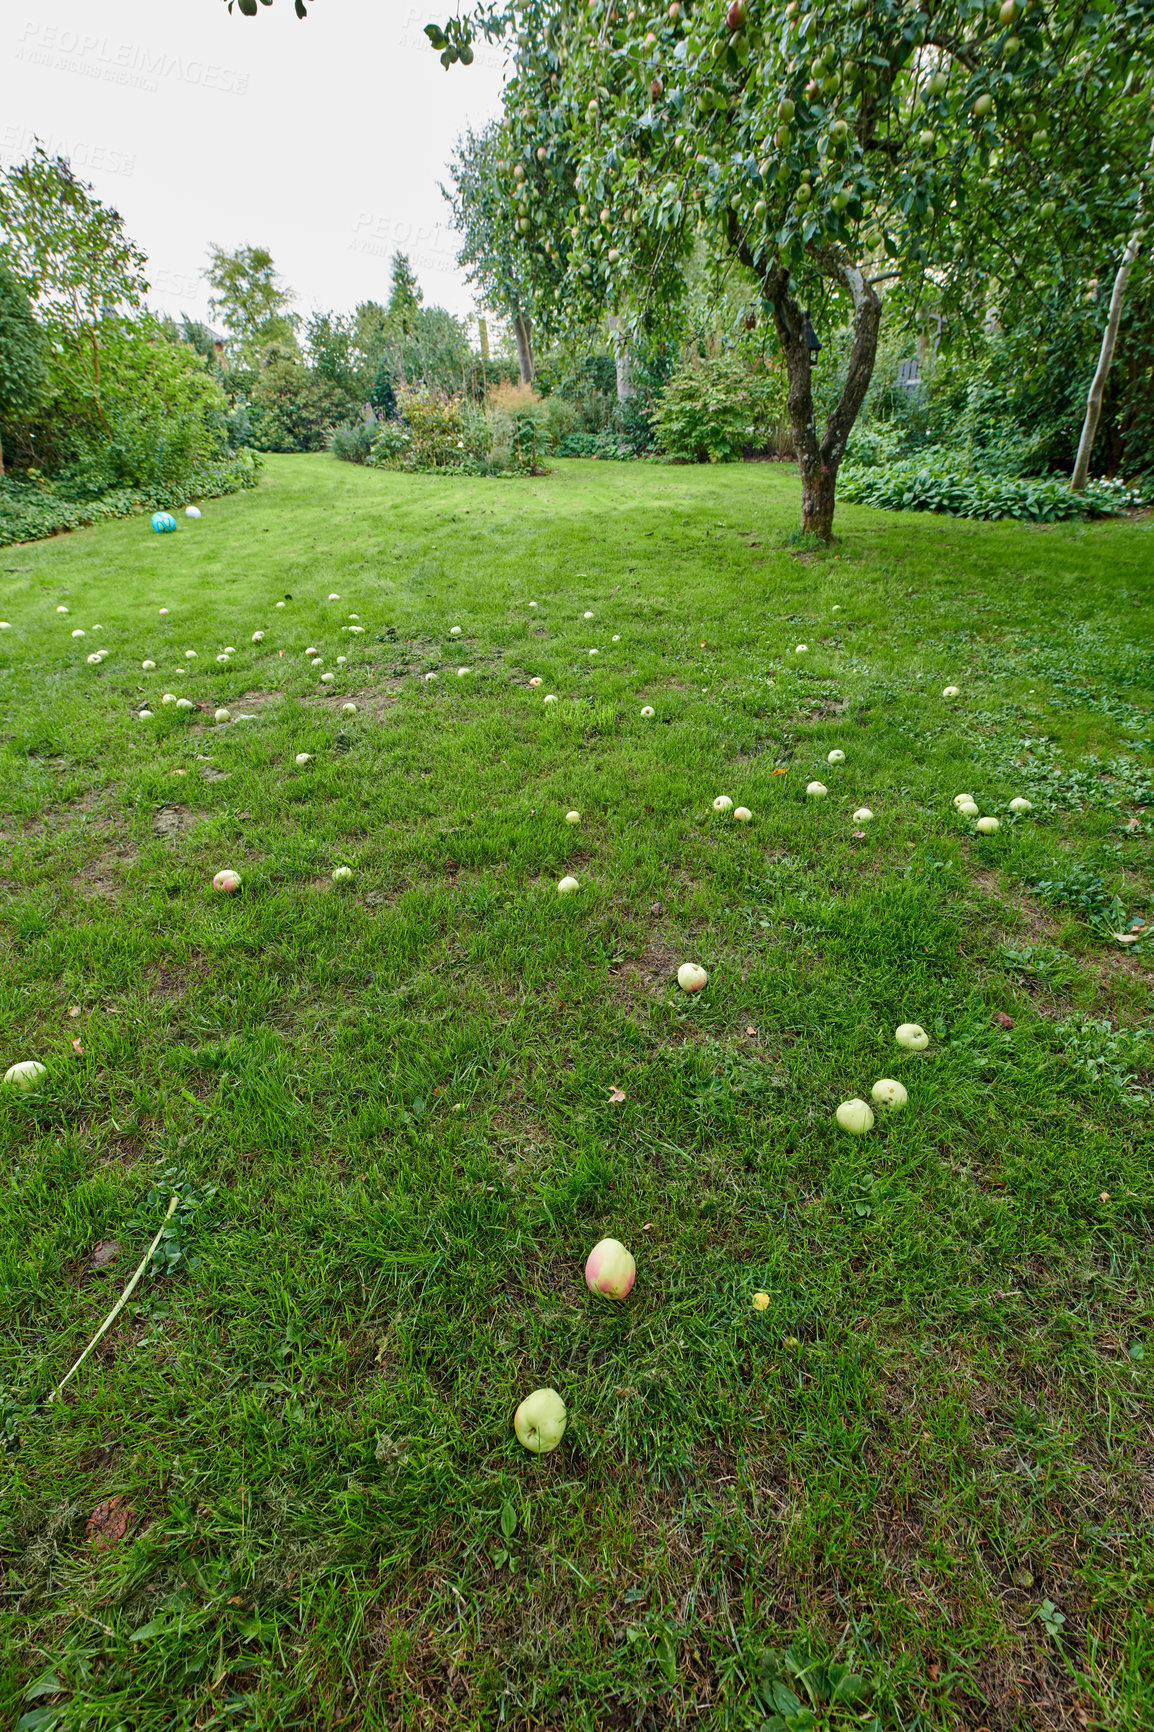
(880,153)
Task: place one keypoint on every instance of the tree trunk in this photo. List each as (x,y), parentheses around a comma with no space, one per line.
(819,461)
(523,334)
(623,355)
(1106,354)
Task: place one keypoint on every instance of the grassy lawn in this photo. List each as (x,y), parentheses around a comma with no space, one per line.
(385,1107)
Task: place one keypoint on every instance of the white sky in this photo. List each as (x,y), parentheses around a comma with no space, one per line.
(322,139)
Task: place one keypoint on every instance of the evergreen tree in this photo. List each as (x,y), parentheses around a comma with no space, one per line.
(22,374)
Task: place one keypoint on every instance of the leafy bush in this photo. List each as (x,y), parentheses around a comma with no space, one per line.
(31,509)
(353,442)
(931,483)
(715,407)
(435,432)
(293,407)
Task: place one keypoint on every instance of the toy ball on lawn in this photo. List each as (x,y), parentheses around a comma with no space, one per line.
(163,522)
(192,511)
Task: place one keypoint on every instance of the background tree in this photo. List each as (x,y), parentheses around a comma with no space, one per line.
(831,151)
(251,301)
(73,259)
(493,254)
(23,379)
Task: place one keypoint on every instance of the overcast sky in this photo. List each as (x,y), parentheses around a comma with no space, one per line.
(322,139)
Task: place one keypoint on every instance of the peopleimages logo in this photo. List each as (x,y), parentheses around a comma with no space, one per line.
(21,141)
(428,246)
(130,64)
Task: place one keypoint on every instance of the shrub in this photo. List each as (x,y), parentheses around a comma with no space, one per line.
(714,408)
(292,407)
(353,442)
(31,509)
(930,483)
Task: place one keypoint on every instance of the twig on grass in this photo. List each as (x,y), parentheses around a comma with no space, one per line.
(120,1303)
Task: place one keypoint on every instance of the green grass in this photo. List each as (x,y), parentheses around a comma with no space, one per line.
(385,1107)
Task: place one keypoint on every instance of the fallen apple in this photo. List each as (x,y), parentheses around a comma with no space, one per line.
(230,649)
(589,613)
(594,652)
(742,814)
(312,651)
(950,692)
(144,715)
(224,657)
(334,596)
(95,659)
(258,637)
(987,826)
(163,613)
(148,667)
(836,607)
(911,1035)
(26,1074)
(550,697)
(303,758)
(227,882)
(610,1269)
(190,655)
(802,649)
(816,789)
(222,715)
(961,800)
(532,604)
(5,625)
(280,603)
(354,616)
(1020,805)
(168,698)
(835,757)
(430,679)
(855,1117)
(454,631)
(863,815)
(567,886)
(342,661)
(80,632)
(540,1421)
(535,682)
(723,803)
(341,874)
(572,817)
(647,710)
(461,672)
(888,1093)
(62,610)
(760,1301)
(327,679)
(691,977)
(968,809)
(348,709)
(185,704)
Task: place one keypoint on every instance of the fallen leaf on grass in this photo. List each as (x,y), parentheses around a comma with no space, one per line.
(76,1046)
(1002,1020)
(108,1523)
(75,1010)
(751,1030)
(106,1252)
(781,771)
(616,1095)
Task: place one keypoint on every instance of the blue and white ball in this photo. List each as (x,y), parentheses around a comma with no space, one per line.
(163,522)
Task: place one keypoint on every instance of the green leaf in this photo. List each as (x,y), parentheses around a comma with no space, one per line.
(508,1520)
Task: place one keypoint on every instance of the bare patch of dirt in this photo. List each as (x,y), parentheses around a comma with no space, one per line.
(108,1251)
(256,700)
(171,821)
(651,973)
(103,875)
